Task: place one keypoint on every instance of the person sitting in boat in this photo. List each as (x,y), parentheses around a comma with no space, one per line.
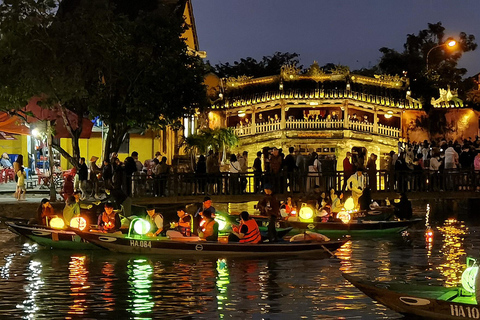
(356,183)
(184,224)
(269,206)
(287,208)
(210,229)
(72,209)
(248,231)
(199,220)
(403,209)
(365,199)
(45,212)
(337,204)
(156,221)
(109,221)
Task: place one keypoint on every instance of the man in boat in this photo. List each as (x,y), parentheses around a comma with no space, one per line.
(269,206)
(109,221)
(210,228)
(356,183)
(184,224)
(403,209)
(156,221)
(248,231)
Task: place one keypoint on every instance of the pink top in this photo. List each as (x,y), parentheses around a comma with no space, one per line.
(476,162)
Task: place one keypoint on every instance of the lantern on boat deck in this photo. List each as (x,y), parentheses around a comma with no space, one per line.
(57,223)
(141,226)
(469,275)
(349,204)
(344,216)
(78,223)
(222,222)
(306,213)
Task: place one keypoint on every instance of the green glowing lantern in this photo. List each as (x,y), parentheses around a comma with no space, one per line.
(469,276)
(141,226)
(222,222)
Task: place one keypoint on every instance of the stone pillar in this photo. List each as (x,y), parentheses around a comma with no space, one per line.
(254,129)
(375,121)
(345,116)
(282,116)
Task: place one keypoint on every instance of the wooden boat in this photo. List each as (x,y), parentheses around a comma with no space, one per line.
(353,228)
(49,237)
(145,245)
(426,302)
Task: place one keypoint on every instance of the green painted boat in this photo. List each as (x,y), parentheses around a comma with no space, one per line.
(49,237)
(421,302)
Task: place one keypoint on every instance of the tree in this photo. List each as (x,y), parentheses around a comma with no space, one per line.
(269,65)
(127,66)
(442,66)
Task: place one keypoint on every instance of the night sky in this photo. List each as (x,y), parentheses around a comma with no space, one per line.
(347,32)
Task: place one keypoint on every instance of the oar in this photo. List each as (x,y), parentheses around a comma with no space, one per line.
(331,253)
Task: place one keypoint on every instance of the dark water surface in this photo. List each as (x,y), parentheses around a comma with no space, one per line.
(39,283)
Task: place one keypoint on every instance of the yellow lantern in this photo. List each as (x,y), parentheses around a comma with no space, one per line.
(305,214)
(57,223)
(78,223)
(344,216)
(349,204)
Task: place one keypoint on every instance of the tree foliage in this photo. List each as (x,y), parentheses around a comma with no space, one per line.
(442,63)
(126,65)
(269,65)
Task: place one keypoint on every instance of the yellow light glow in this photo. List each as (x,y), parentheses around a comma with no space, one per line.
(452,43)
(306,213)
(57,223)
(349,204)
(344,216)
(78,223)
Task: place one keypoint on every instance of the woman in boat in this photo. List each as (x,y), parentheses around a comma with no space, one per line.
(72,209)
(248,231)
(211,227)
(337,204)
(45,212)
(184,224)
(109,220)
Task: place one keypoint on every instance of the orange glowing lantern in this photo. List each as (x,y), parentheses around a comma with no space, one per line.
(78,223)
(57,223)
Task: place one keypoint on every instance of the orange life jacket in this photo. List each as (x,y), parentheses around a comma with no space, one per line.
(253,233)
(208,229)
(185,227)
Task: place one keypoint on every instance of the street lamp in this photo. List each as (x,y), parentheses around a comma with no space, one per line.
(450,43)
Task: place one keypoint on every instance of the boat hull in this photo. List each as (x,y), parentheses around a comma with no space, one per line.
(359,228)
(141,245)
(427,302)
(51,238)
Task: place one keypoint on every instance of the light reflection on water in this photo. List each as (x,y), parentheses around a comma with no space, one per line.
(54,284)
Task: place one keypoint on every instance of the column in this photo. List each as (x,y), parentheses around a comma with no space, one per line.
(282,116)
(375,121)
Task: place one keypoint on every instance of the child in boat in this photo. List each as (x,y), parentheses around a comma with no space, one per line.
(45,212)
(109,221)
(210,228)
(184,224)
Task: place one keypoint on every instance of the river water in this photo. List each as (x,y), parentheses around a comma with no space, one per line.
(38,283)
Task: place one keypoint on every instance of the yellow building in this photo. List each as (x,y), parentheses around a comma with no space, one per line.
(315,111)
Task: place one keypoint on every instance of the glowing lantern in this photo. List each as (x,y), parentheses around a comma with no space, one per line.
(349,204)
(78,223)
(468,278)
(57,223)
(141,226)
(344,216)
(222,223)
(306,213)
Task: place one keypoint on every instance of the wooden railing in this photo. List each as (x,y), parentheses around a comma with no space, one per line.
(183,184)
(302,124)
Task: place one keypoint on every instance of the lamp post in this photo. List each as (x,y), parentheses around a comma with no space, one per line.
(450,43)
